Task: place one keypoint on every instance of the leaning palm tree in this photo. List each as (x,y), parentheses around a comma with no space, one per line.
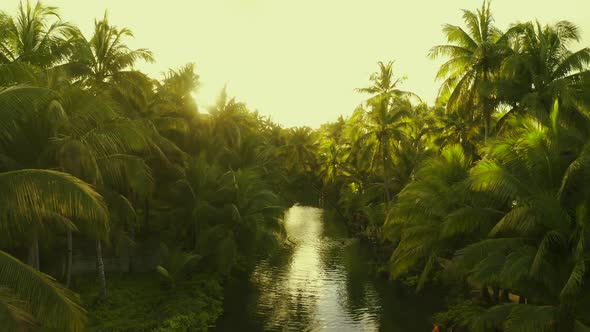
(474,57)
(538,248)
(30,197)
(435,213)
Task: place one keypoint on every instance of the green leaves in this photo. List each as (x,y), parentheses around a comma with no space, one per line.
(28,197)
(50,303)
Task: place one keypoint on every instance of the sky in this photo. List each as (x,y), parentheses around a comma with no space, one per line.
(299,61)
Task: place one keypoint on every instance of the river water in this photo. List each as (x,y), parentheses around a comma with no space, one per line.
(324,284)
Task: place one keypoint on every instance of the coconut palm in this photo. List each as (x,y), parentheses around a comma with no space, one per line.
(434,213)
(299,149)
(37,35)
(474,57)
(228,117)
(197,190)
(384,119)
(29,198)
(542,68)
(537,249)
(105,59)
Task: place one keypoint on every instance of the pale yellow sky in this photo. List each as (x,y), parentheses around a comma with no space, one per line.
(299,61)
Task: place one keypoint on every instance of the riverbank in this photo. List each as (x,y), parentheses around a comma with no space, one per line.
(139,302)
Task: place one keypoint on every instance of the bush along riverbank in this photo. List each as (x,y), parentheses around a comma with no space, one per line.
(143,302)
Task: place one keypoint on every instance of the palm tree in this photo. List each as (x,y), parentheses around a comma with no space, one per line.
(227,119)
(30,197)
(105,59)
(254,210)
(543,69)
(384,85)
(37,35)
(197,190)
(474,57)
(175,264)
(435,213)
(299,149)
(388,107)
(384,124)
(537,249)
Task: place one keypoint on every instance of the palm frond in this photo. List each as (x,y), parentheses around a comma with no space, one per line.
(29,196)
(51,303)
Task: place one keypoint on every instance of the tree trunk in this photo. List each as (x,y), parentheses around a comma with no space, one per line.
(100,268)
(505,296)
(34,251)
(485,295)
(196,235)
(69,260)
(487,113)
(146,214)
(487,124)
(385,173)
(496,294)
(131,266)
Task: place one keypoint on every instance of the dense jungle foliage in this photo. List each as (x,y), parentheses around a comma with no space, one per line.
(484,192)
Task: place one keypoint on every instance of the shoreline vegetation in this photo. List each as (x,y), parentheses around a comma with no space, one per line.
(115,186)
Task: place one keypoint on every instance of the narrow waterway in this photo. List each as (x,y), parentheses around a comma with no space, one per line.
(325,284)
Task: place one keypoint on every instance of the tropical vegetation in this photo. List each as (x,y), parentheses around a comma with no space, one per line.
(484,192)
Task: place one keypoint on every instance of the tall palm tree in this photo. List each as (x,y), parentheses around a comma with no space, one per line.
(474,57)
(105,59)
(384,85)
(37,35)
(197,190)
(227,117)
(383,128)
(299,149)
(388,107)
(543,68)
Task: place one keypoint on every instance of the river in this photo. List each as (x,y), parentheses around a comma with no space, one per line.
(324,284)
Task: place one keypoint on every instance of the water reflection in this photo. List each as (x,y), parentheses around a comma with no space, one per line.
(323,286)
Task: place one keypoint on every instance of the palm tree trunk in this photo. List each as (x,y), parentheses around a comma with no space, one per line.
(486,110)
(196,235)
(385,173)
(131,266)
(34,251)
(485,295)
(69,260)
(505,296)
(146,214)
(487,123)
(496,294)
(100,268)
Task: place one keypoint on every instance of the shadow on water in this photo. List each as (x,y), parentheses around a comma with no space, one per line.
(324,284)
